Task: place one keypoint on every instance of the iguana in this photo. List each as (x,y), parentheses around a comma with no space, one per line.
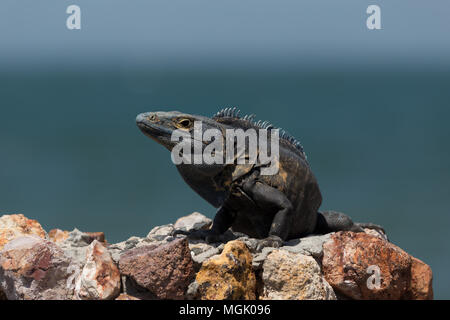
(274,208)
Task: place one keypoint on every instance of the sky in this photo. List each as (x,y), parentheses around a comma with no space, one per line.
(231,32)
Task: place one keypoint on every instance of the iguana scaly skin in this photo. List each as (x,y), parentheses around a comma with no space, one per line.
(274,208)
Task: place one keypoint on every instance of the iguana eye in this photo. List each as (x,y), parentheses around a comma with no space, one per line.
(186,123)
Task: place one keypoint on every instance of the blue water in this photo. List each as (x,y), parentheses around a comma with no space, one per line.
(377,140)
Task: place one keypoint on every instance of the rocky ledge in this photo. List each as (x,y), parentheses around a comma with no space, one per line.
(79,265)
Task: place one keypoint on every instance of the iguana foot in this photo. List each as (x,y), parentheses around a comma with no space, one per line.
(270,241)
(207,235)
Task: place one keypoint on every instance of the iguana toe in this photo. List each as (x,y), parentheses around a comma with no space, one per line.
(270,241)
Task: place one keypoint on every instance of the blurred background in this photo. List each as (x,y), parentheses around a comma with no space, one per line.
(371,107)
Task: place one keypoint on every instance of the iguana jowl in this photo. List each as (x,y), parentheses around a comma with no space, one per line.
(270,207)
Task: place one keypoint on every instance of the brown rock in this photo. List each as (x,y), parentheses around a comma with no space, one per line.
(351,261)
(35,269)
(17,225)
(58,235)
(228,275)
(99,236)
(100,277)
(164,270)
(421,281)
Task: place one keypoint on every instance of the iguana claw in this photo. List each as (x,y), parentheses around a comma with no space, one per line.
(270,241)
(207,235)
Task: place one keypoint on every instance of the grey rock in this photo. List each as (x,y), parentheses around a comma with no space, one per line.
(311,245)
(192,291)
(376,233)
(32,268)
(78,238)
(160,233)
(260,257)
(192,222)
(201,251)
(293,276)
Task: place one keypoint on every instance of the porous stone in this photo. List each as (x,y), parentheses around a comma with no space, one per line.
(194,221)
(354,262)
(293,276)
(421,281)
(17,225)
(100,277)
(165,270)
(228,275)
(32,268)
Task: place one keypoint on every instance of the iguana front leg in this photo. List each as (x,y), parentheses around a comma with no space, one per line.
(265,195)
(222,221)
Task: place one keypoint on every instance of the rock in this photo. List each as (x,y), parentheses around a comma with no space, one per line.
(293,276)
(17,225)
(194,221)
(260,257)
(351,258)
(58,235)
(164,270)
(76,244)
(421,281)
(227,276)
(131,288)
(77,238)
(311,245)
(376,233)
(32,268)
(99,236)
(124,296)
(100,277)
(161,232)
(251,243)
(117,249)
(201,251)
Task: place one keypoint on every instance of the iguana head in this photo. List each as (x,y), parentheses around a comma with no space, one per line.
(160,126)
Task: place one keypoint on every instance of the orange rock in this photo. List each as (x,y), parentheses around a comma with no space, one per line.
(421,281)
(13,226)
(363,266)
(228,276)
(58,235)
(124,296)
